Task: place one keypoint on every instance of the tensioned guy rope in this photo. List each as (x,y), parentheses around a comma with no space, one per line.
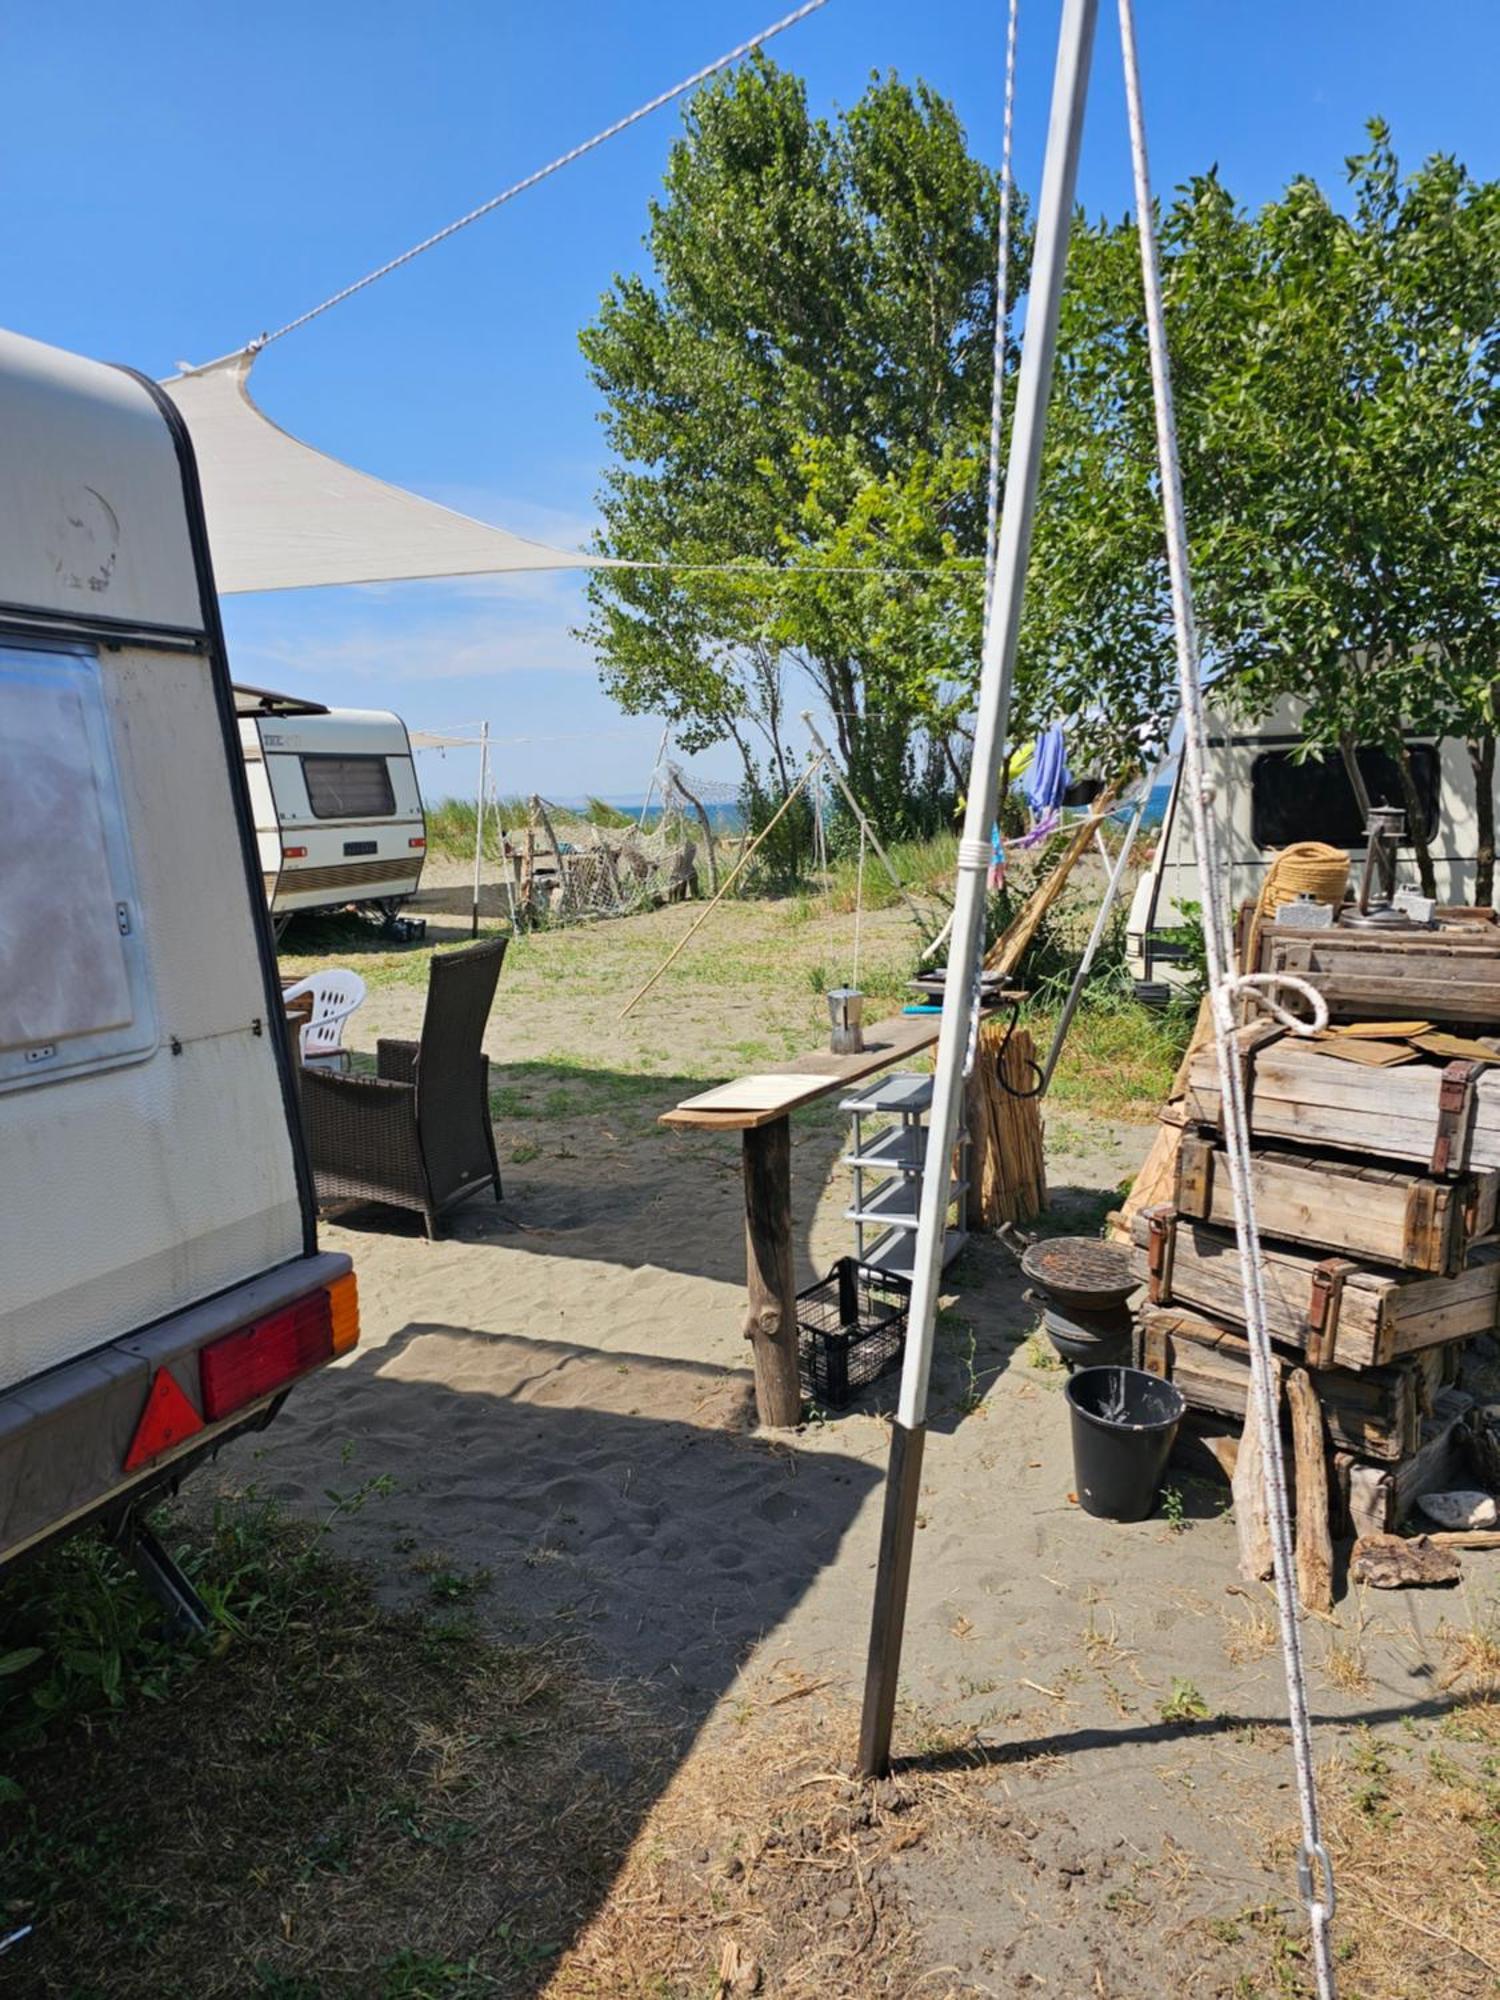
(1224,988)
(542,173)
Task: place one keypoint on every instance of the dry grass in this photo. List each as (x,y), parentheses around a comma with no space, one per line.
(1249,1634)
(341,1802)
(1414,1834)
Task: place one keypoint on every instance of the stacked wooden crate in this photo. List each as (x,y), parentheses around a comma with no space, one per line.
(1376,1180)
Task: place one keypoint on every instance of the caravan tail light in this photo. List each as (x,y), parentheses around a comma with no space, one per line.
(417,840)
(343,1301)
(254,1360)
(294,853)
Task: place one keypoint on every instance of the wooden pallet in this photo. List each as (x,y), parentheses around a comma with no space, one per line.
(1383,1213)
(1339,1313)
(1445,1118)
(1374,1413)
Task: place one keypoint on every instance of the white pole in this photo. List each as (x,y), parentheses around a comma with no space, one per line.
(484,777)
(661,751)
(997,667)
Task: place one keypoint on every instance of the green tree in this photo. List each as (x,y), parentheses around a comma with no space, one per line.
(802,387)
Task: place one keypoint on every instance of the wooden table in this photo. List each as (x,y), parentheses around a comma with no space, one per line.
(771,1316)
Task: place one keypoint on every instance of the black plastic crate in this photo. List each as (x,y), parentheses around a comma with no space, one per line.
(851,1330)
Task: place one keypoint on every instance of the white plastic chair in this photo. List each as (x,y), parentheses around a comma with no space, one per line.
(335,995)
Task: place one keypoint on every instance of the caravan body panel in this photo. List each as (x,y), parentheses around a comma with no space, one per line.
(159,1181)
(154,1190)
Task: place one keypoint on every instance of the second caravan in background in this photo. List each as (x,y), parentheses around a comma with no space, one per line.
(1266,798)
(338,812)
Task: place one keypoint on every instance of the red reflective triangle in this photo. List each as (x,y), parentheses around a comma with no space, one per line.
(168,1419)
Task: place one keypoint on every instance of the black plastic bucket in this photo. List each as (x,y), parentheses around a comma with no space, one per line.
(1124,1421)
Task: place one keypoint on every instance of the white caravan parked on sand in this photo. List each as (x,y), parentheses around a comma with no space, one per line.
(1265,799)
(161,1287)
(338,813)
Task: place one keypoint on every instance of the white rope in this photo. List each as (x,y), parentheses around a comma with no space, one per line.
(1224,987)
(1002,314)
(542,173)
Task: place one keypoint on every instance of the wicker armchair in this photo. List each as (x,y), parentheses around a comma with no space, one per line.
(417,1134)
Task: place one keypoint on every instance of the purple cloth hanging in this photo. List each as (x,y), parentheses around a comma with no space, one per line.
(1046,777)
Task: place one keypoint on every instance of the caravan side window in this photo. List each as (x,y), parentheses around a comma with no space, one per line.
(348,787)
(74,985)
(1312,800)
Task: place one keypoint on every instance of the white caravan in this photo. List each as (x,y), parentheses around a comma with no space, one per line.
(338,813)
(1264,798)
(161,1287)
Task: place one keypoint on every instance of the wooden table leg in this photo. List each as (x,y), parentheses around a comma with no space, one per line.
(771,1318)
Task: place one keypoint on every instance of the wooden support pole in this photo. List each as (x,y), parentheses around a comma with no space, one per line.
(771,1314)
(898,1533)
(1310,1457)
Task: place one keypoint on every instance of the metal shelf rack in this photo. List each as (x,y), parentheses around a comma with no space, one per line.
(887,1167)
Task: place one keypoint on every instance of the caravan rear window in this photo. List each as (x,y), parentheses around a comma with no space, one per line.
(348,787)
(74,990)
(1312,800)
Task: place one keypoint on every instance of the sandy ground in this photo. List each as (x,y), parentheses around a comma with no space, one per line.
(558,1395)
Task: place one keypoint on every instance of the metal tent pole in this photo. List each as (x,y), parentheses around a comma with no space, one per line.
(960,995)
(484,779)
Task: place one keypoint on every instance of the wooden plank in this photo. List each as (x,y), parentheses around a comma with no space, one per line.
(1379,1314)
(887,1042)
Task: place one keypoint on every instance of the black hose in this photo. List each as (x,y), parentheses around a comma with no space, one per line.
(1030,1061)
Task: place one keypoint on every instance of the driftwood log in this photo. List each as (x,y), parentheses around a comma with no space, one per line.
(1252,1521)
(1310,1457)
(1392,1562)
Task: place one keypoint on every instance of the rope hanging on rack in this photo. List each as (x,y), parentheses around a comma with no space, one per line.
(1224,990)
(543,173)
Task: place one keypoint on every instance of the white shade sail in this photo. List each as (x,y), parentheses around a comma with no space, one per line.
(282,516)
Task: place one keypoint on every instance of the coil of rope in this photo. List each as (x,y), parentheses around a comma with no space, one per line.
(1306,868)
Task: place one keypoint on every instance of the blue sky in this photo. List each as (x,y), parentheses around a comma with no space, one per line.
(176,179)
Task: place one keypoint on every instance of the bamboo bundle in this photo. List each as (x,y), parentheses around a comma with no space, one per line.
(1007,1170)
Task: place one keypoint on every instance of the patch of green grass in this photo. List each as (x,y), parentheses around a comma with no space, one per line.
(1118,1060)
